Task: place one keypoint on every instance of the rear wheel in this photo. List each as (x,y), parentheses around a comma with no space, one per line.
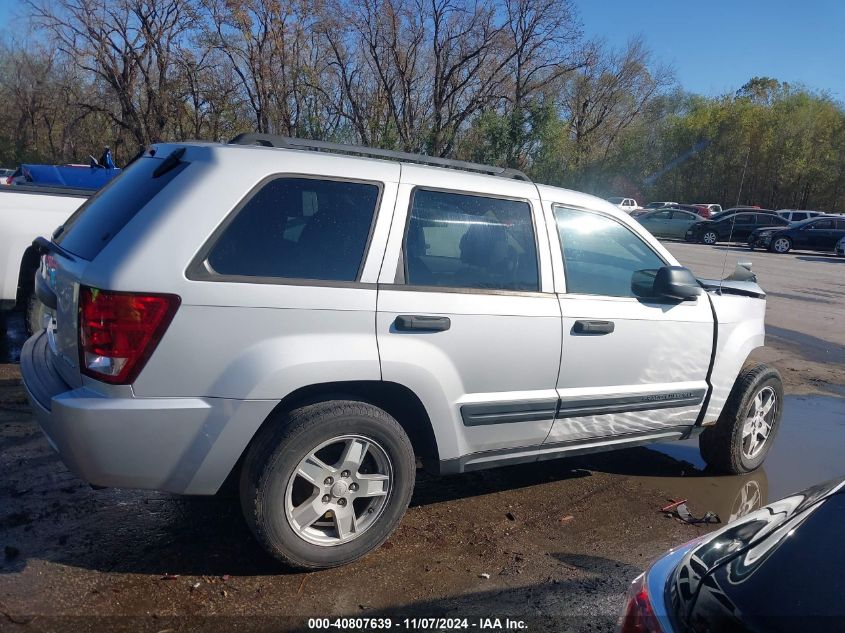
(742,437)
(327,483)
(709,237)
(781,245)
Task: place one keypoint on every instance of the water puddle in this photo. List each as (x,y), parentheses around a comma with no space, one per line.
(807,450)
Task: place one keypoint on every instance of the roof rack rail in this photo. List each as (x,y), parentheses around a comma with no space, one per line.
(287,142)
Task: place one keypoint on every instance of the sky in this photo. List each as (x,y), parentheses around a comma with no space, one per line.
(715,46)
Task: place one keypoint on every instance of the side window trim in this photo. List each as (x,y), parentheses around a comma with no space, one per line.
(199,269)
(568,293)
(401,276)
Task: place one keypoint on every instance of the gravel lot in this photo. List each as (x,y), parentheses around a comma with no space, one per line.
(560,541)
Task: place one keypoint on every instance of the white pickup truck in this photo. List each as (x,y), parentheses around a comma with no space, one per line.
(25,213)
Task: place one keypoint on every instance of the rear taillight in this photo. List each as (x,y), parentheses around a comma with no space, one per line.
(639,615)
(118,331)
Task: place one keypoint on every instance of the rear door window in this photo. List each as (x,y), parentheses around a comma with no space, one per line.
(105,214)
(297,228)
(467,241)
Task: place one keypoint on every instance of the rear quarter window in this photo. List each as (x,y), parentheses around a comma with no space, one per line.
(104,215)
(294,228)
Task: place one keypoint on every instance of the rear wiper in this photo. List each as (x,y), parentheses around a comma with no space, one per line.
(169,163)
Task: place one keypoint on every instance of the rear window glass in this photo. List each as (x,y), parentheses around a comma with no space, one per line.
(298,228)
(103,216)
(465,241)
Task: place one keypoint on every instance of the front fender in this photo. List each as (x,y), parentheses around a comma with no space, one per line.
(741,329)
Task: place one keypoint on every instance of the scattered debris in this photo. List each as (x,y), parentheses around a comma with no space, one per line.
(510,516)
(566,519)
(301,585)
(672,505)
(170,576)
(196,585)
(224,577)
(485,576)
(680,511)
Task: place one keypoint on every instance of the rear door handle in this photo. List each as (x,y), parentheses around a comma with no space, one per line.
(418,323)
(593,327)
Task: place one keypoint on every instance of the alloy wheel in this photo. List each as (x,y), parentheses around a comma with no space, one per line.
(758,424)
(781,245)
(339,490)
(709,238)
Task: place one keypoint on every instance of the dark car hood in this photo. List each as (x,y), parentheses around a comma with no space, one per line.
(742,547)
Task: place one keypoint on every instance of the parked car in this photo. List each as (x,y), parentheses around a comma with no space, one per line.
(752,209)
(840,247)
(774,570)
(796,216)
(713,208)
(699,210)
(661,205)
(732,227)
(668,222)
(4,175)
(26,213)
(626,204)
(317,321)
(816,234)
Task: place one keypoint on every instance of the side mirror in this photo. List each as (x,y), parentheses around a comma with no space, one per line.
(669,282)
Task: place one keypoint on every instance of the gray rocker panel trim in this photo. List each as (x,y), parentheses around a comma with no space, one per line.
(543,452)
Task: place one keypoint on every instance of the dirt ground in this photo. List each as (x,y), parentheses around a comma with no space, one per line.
(554,545)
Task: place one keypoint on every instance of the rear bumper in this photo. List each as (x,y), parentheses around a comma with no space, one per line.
(181,445)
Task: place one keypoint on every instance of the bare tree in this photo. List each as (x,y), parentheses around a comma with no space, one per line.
(128,46)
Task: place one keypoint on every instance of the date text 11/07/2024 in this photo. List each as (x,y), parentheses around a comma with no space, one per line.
(417,624)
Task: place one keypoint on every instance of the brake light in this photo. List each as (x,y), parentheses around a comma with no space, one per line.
(639,616)
(118,331)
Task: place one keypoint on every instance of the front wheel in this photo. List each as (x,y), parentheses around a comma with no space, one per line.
(327,483)
(743,435)
(781,245)
(709,237)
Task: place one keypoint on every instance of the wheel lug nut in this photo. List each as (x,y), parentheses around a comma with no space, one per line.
(326,498)
(329,481)
(341,502)
(353,487)
(345,473)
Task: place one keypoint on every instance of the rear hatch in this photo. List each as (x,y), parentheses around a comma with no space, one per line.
(82,238)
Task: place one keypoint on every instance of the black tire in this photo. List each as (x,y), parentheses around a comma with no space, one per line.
(784,250)
(714,238)
(721,445)
(272,460)
(34,317)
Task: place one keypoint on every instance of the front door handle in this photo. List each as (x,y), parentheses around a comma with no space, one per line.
(593,327)
(419,323)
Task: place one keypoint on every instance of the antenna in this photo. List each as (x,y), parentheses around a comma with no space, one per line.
(733,219)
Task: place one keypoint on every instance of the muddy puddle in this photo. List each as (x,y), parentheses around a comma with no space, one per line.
(807,450)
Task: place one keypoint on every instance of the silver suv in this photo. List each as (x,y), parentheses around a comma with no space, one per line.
(323,318)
